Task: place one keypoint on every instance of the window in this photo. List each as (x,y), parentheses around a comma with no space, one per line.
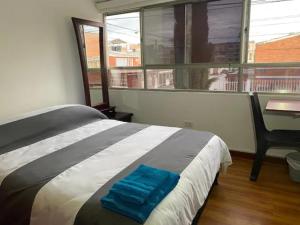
(278,80)
(160,79)
(215,31)
(213,79)
(206,45)
(274,36)
(116,48)
(164,33)
(122,62)
(121,78)
(123,39)
(201,32)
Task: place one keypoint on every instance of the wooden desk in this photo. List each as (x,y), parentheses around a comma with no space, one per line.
(284,106)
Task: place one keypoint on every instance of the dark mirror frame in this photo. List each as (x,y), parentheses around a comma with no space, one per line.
(78,23)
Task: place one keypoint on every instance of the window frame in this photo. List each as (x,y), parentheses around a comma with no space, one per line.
(241,65)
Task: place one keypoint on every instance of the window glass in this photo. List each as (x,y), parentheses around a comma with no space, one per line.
(160,79)
(215,31)
(213,79)
(274,36)
(92,51)
(123,39)
(164,32)
(204,32)
(280,80)
(207,32)
(121,78)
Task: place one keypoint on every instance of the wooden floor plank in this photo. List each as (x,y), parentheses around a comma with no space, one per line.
(273,200)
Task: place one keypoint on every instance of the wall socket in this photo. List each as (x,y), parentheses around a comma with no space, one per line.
(187,124)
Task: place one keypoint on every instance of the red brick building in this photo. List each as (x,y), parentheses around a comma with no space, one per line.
(280,50)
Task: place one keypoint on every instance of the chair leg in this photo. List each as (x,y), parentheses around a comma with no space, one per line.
(259,156)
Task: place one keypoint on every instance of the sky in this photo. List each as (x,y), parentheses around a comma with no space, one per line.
(269,19)
(124,26)
(274,20)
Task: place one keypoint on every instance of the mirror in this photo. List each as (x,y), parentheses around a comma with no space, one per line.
(90,41)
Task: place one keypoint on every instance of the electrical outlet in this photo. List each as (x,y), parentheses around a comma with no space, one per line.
(188,124)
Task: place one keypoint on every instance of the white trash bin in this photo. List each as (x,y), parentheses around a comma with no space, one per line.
(293,160)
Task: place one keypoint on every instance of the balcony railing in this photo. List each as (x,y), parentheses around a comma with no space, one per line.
(267,85)
(222,83)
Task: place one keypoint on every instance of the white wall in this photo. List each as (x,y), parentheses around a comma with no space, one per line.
(39,62)
(227,115)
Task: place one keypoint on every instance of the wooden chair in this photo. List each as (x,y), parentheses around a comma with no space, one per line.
(266,139)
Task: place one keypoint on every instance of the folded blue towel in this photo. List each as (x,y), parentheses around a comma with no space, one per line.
(119,203)
(139,185)
(132,192)
(148,176)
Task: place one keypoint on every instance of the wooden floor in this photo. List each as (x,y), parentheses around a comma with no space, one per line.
(272,200)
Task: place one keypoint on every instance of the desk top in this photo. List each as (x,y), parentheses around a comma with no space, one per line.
(290,106)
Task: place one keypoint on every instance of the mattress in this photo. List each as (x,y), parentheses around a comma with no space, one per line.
(55,166)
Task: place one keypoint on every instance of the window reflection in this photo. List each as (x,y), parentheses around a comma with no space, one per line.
(122,78)
(203,32)
(92,50)
(164,35)
(215,33)
(213,79)
(279,80)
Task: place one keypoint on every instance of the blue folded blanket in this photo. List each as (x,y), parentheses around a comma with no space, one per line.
(138,194)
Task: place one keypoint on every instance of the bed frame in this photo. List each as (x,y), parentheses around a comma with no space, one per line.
(200,211)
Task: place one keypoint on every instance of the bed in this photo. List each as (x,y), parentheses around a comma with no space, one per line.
(57,163)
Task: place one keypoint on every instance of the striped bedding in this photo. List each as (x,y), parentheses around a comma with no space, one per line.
(57,164)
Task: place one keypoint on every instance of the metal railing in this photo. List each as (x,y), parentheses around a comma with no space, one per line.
(258,85)
(272,84)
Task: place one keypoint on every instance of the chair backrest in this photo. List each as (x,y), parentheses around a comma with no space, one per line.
(259,124)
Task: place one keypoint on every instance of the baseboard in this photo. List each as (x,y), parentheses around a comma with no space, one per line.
(249,155)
